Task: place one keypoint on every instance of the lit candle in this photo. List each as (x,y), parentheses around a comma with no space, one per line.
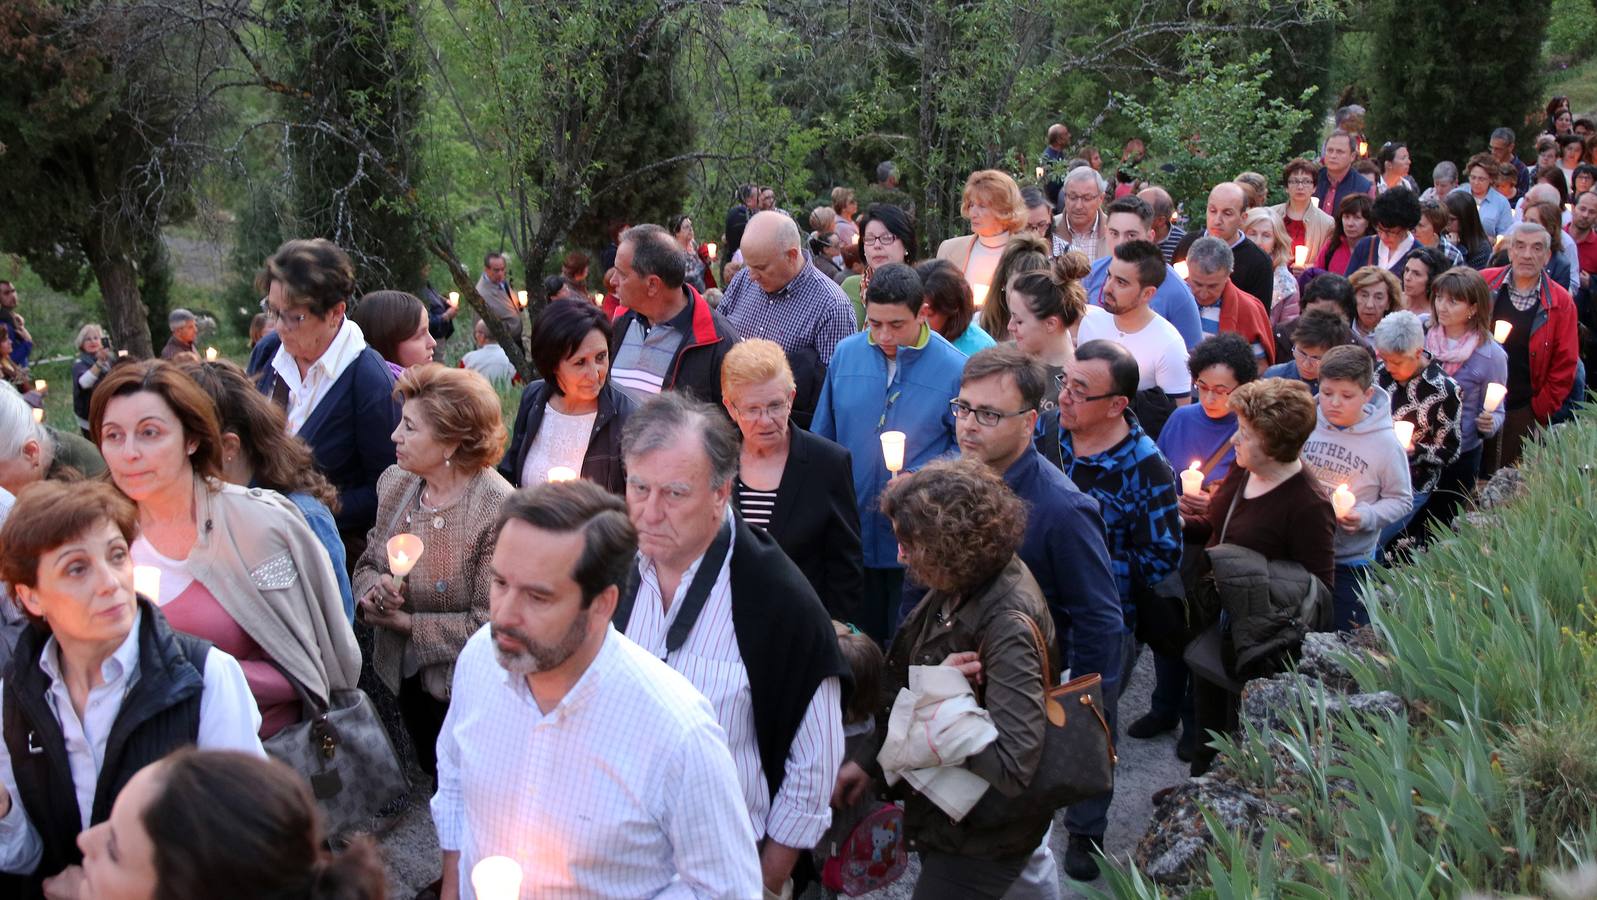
(38,416)
(598,298)
(404,550)
(1364,148)
(496,878)
(1494,396)
(1300,255)
(147,582)
(1405,433)
(40,385)
(121,353)
(1182,269)
(454,299)
(1342,500)
(1501,329)
(893,450)
(560,473)
(710,249)
(1192,481)
(210,354)
(978,295)
(521,297)
(1039,173)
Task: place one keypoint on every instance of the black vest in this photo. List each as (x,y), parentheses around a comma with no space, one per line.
(159,714)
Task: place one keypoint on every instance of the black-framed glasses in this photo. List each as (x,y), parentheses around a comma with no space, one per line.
(1077,395)
(881,240)
(985,417)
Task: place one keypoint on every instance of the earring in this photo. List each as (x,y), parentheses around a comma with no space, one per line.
(446,462)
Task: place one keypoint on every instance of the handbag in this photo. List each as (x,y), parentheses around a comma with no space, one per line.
(343,750)
(1078,755)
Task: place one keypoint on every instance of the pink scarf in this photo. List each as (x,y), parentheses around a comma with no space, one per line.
(1452,354)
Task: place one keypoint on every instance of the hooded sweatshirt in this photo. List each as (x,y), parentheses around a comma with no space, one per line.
(1367,457)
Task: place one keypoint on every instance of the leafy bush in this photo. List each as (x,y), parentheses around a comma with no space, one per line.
(1572,30)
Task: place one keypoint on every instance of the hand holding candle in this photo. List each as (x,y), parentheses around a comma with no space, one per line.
(38,415)
(1494,396)
(709,249)
(1040,171)
(454,299)
(521,298)
(560,473)
(978,295)
(147,582)
(598,298)
(404,550)
(1342,500)
(1300,255)
(1501,330)
(496,878)
(41,385)
(210,354)
(1192,481)
(1405,433)
(1181,269)
(893,450)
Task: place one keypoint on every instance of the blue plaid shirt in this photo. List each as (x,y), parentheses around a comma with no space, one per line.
(810,312)
(1136,492)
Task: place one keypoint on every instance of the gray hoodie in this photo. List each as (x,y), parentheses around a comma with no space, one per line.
(1367,457)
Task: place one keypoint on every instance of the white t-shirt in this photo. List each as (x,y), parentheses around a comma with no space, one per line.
(1160,351)
(562,440)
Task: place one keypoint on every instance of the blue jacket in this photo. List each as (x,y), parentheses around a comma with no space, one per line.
(1173,300)
(326,531)
(1065,550)
(1289,370)
(857,404)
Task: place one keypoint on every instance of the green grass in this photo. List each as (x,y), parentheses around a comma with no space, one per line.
(1579,84)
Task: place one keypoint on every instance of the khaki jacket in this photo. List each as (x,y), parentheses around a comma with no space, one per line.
(1317,227)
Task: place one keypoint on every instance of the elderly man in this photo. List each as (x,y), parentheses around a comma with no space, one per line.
(1337,179)
(781,297)
(495,289)
(1222,305)
(1444,178)
(721,603)
(489,358)
(1252,271)
(539,748)
(185,329)
(669,338)
(1163,230)
(1543,342)
(1055,153)
(1131,219)
(1082,222)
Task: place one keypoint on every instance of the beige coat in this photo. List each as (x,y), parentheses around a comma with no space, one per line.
(1317,227)
(258,557)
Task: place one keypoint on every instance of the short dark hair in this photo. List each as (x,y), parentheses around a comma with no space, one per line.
(1146,257)
(559,330)
(1133,204)
(1033,197)
(1348,363)
(1124,374)
(1333,287)
(655,252)
(315,273)
(669,413)
(1320,328)
(897,222)
(897,283)
(609,542)
(490,256)
(1224,349)
(1352,145)
(948,293)
(1397,208)
(1029,374)
(387,319)
(1300,165)
(745,191)
(47,514)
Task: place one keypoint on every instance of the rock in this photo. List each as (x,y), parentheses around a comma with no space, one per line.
(1321,660)
(1505,486)
(1174,848)
(1268,703)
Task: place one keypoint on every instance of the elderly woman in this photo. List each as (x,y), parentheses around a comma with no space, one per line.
(395,325)
(794,484)
(1479,174)
(238,567)
(96,645)
(444,490)
(33,451)
(886,235)
(698,266)
(336,390)
(176,831)
(1395,214)
(1419,270)
(572,418)
(1270,504)
(1024,253)
(1460,341)
(1265,230)
(93,361)
(950,309)
(959,528)
(1423,394)
(258,452)
(1376,292)
(1305,223)
(992,203)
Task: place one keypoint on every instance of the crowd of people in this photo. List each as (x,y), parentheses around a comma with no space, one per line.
(676,628)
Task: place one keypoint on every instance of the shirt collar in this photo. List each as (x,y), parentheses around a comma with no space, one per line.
(920,342)
(588,683)
(645,563)
(346,345)
(122,662)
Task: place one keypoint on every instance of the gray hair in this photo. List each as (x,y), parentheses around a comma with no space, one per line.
(1086,173)
(1522,227)
(1544,193)
(1210,254)
(16,423)
(1445,169)
(1399,332)
(179,316)
(885,171)
(1502,134)
(90,330)
(668,414)
(655,252)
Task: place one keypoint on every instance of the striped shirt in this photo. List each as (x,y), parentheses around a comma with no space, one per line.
(1167,247)
(711,660)
(755,506)
(644,358)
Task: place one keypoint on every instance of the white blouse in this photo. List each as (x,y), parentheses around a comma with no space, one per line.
(562,440)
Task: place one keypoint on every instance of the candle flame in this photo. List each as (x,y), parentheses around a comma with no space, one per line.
(210,354)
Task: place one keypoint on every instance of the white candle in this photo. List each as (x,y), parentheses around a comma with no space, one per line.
(121,353)
(147,582)
(1191,481)
(598,298)
(978,295)
(1364,148)
(403,552)
(521,297)
(1494,396)
(893,450)
(1039,173)
(210,354)
(710,249)
(40,384)
(1181,269)
(454,299)
(1405,433)
(1342,500)
(560,473)
(38,416)
(1300,255)
(1501,329)
(496,878)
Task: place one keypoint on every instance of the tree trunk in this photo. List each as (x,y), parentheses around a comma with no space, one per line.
(111,255)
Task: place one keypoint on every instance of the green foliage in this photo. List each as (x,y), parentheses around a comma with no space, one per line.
(258,232)
(1216,122)
(1572,30)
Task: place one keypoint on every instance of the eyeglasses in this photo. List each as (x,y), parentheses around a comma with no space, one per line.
(1306,357)
(1215,389)
(986,417)
(775,412)
(1077,395)
(884,240)
(1300,182)
(1040,228)
(284,321)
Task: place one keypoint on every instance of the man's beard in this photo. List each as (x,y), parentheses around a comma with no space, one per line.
(537,657)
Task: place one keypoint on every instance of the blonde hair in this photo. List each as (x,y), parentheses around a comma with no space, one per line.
(1370,275)
(88,331)
(462,408)
(754,361)
(1281,246)
(1002,196)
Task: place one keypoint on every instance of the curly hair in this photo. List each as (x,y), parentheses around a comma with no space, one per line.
(957,522)
(1280,410)
(461,407)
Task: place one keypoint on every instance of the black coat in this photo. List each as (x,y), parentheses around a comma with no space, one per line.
(816,520)
(601,464)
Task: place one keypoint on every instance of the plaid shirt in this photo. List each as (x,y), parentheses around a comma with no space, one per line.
(1136,491)
(810,312)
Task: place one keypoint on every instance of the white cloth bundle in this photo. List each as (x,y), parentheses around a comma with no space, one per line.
(935,725)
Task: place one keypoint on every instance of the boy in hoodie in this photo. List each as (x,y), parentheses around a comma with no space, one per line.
(1354,444)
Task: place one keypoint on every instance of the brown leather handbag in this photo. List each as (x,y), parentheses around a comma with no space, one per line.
(1078,756)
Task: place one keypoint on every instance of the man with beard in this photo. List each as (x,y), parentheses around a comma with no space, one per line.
(568,748)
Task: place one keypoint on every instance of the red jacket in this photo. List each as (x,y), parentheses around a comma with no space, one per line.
(1241,313)
(1554,344)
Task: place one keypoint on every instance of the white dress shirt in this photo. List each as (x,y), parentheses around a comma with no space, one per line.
(710,658)
(305,393)
(229,720)
(624,789)
(1385,257)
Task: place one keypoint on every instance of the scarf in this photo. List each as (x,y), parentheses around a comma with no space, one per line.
(1452,354)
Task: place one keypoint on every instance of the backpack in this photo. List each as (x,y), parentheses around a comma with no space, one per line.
(873,856)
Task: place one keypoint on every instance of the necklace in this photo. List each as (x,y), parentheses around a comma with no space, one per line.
(436,512)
